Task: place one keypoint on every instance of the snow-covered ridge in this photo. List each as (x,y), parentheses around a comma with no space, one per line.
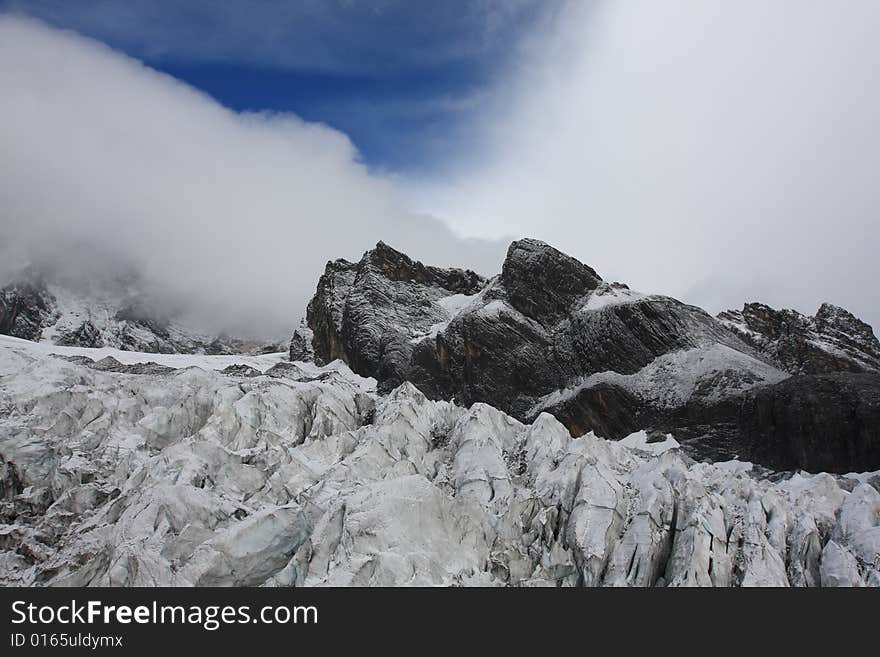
(305,476)
(670,380)
(611,294)
(831,340)
(604,296)
(27,349)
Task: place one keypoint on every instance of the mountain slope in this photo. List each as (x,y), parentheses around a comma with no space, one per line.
(548,334)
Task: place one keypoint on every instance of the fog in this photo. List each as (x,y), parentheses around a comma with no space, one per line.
(720,152)
(109,165)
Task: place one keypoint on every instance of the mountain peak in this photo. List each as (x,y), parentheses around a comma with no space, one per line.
(542,282)
(833,340)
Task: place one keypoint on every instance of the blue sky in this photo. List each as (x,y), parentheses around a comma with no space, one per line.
(402,79)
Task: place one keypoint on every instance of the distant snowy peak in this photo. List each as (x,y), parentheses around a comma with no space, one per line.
(832,340)
(114,316)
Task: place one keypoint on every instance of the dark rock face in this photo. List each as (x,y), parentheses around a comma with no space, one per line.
(326,309)
(367,313)
(301,344)
(11,485)
(86,335)
(543,283)
(241,370)
(828,417)
(833,340)
(24,309)
(508,360)
(827,422)
(609,410)
(548,334)
(10,481)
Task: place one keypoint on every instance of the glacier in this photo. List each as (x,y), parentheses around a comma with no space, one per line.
(129,469)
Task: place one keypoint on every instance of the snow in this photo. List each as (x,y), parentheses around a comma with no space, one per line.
(743,328)
(494,308)
(611,295)
(452,305)
(36,349)
(639,441)
(455,303)
(671,379)
(99,306)
(199,478)
(828,347)
(16,353)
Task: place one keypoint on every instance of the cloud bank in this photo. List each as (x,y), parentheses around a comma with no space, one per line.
(232,215)
(717,151)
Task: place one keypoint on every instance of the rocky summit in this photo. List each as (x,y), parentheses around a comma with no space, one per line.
(833,340)
(548,334)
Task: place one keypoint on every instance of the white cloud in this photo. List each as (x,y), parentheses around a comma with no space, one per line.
(717,151)
(234,214)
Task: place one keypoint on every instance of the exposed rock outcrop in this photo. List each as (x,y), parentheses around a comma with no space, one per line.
(827,422)
(833,340)
(367,313)
(25,308)
(548,334)
(301,344)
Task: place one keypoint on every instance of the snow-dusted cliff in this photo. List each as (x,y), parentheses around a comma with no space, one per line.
(549,335)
